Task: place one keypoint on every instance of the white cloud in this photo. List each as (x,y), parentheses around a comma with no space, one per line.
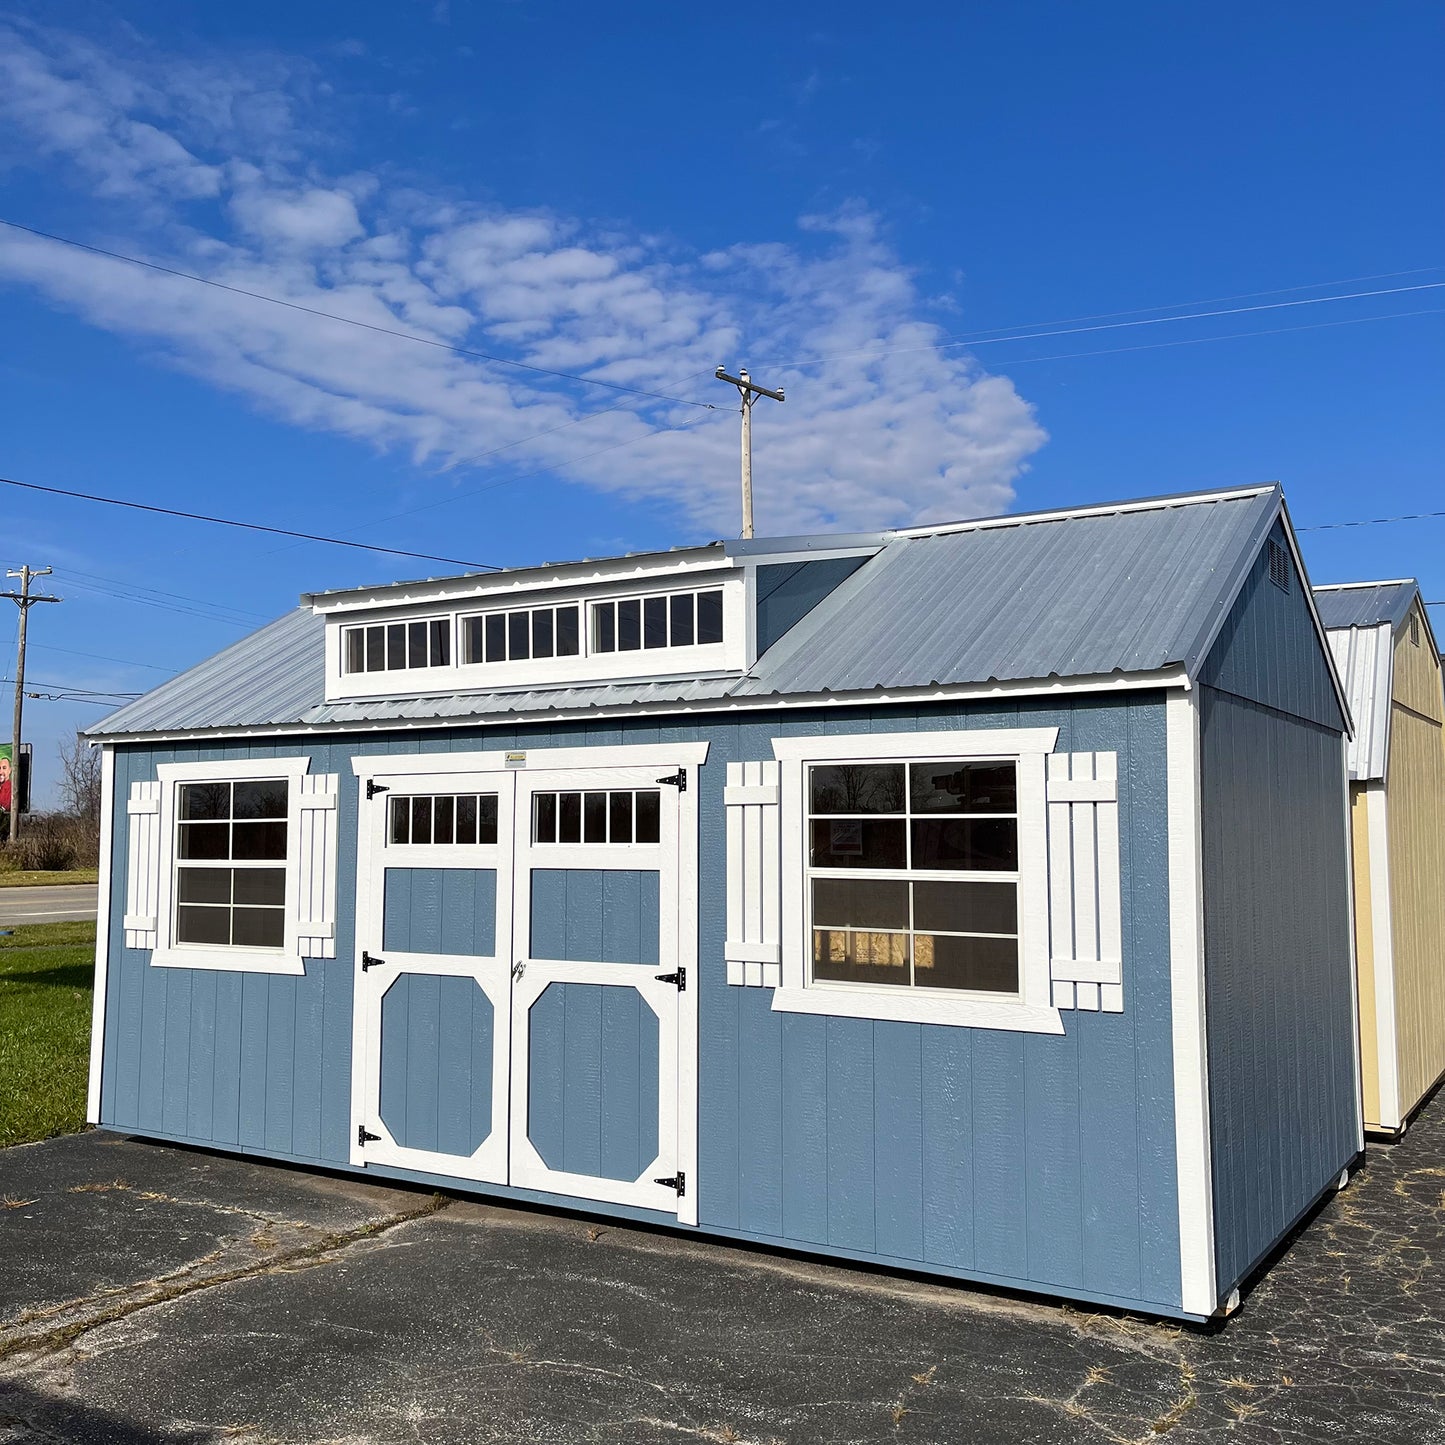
(916,434)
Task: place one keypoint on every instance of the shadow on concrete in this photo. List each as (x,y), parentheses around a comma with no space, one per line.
(38,1416)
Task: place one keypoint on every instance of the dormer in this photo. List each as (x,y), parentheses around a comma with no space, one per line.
(693,612)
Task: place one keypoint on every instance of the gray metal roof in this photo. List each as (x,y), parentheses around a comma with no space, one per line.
(1127,589)
(272,676)
(1364,658)
(1063,596)
(1365,604)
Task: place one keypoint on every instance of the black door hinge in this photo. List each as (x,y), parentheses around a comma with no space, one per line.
(373,788)
(364,1135)
(676,780)
(679,978)
(676,1181)
(367,961)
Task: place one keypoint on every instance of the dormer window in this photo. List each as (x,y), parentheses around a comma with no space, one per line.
(390,646)
(677,619)
(521,634)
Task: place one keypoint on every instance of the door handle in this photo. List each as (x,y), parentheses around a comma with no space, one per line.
(518,969)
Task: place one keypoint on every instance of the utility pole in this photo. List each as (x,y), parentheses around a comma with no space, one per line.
(750,392)
(24,600)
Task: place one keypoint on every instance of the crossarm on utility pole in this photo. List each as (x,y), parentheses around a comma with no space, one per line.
(750,391)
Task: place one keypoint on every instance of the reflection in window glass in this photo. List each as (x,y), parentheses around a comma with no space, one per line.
(675,619)
(520,634)
(388,647)
(926,897)
(442,819)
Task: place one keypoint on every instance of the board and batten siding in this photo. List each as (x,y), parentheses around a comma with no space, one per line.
(1036,1161)
(1415,828)
(1279,984)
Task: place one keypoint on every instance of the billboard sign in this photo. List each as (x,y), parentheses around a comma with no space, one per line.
(13,778)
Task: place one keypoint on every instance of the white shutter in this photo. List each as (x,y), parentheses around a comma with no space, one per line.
(143,865)
(316,894)
(1085,944)
(753,951)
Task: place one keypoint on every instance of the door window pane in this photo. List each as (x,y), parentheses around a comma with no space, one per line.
(649,816)
(544,818)
(569,818)
(466,820)
(421,820)
(443,820)
(619,817)
(594,818)
(487,818)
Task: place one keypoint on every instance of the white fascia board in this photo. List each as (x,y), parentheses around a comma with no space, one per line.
(1165,679)
(1387,1052)
(1102,509)
(498,585)
(1349,586)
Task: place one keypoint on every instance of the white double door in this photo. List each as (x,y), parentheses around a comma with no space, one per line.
(524,1014)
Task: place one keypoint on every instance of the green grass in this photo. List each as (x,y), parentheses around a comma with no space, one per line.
(37,877)
(46,975)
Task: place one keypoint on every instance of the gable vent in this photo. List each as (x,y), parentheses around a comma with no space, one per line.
(1415,628)
(1279,566)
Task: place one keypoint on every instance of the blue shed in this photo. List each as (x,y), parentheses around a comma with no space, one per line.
(969,898)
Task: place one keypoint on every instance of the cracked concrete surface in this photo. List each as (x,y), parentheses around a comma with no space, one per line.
(151,1294)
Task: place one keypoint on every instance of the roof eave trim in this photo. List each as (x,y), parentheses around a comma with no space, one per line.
(1162,678)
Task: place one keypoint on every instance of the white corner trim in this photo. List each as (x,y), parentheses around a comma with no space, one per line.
(102,933)
(496,760)
(872,747)
(1382,929)
(1193,1153)
(1350,885)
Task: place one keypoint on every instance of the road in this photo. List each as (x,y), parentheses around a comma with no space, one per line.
(60,904)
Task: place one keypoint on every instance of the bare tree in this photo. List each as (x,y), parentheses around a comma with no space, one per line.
(80,780)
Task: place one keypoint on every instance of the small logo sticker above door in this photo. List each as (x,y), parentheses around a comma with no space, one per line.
(516,760)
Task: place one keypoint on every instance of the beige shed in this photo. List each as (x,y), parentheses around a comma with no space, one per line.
(1386,654)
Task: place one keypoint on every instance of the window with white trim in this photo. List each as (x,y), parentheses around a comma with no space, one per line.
(230,862)
(393,646)
(668,619)
(913,875)
(521,634)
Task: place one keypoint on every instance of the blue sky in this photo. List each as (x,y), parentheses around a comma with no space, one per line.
(855,201)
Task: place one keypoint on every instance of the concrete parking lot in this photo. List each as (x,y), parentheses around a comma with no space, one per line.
(155,1294)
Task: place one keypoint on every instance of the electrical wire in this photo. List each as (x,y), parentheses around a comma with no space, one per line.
(1375,522)
(245,526)
(1107,326)
(97,657)
(353,321)
(217,613)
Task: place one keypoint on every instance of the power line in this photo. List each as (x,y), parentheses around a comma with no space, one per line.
(1036,335)
(1375,522)
(245,526)
(96,657)
(206,612)
(353,321)
(160,592)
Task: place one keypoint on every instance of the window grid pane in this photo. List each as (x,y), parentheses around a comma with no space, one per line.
(900,919)
(229,838)
(616,817)
(442,819)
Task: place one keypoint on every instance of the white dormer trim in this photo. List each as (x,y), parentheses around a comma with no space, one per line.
(666,567)
(733,655)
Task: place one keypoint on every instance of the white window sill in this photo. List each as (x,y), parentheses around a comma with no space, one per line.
(228,960)
(904,1006)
